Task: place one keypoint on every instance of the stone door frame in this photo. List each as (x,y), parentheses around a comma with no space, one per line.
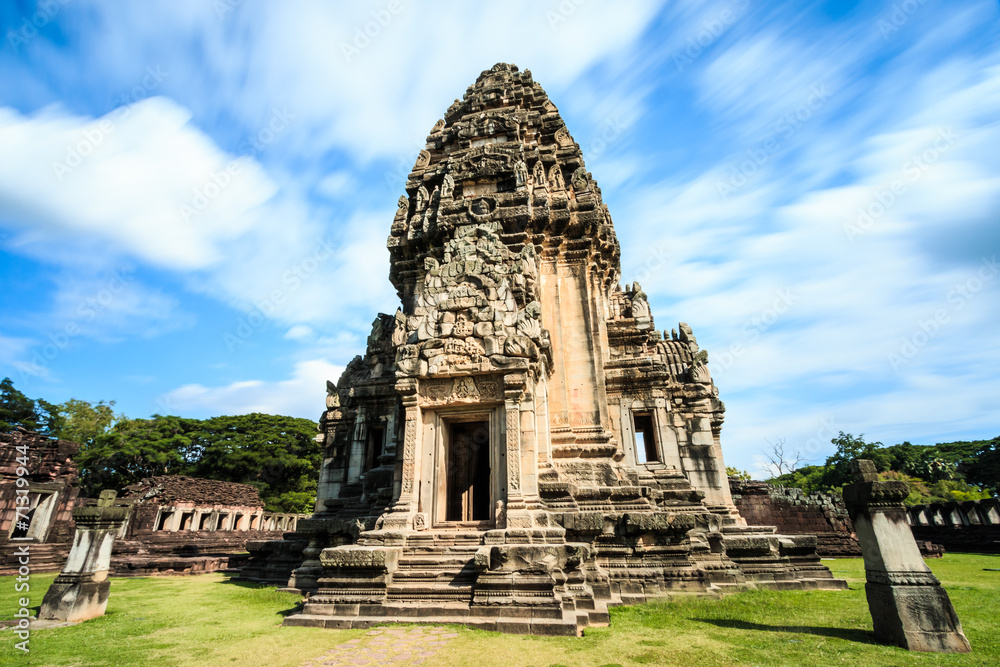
(433,495)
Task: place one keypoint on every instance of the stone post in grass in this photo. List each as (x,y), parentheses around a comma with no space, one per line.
(80,592)
(909,607)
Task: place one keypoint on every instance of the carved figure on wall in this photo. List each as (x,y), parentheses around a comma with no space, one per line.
(399,328)
(529,321)
(422,197)
(520,174)
(640,306)
(332,397)
(538,174)
(556,180)
(447,187)
(579,180)
(399,220)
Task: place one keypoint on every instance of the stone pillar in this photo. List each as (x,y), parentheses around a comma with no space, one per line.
(909,608)
(305,576)
(80,592)
(400,517)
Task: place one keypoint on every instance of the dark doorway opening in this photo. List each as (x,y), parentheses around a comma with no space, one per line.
(468,477)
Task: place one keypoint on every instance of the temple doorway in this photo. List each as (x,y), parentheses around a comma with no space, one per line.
(467,478)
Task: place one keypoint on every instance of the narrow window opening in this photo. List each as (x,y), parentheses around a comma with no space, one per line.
(376,445)
(165,518)
(645,439)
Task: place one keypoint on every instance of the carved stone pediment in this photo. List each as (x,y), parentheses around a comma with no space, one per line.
(459,390)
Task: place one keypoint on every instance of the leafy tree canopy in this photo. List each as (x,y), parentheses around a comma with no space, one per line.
(936,473)
(278,455)
(16,409)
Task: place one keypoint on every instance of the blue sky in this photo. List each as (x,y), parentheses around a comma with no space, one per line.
(195,196)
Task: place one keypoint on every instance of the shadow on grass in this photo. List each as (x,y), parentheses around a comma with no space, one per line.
(256,585)
(246,583)
(860,636)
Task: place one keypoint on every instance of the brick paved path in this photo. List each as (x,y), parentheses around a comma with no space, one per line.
(387,646)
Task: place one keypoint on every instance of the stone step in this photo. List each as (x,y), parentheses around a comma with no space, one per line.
(430,563)
(435,575)
(563,627)
(424,593)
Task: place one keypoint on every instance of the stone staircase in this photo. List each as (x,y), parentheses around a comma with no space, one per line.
(440,577)
(429,576)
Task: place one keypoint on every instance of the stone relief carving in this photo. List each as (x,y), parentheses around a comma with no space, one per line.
(556,181)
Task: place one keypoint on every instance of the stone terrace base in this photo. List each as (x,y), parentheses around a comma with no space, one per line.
(549,587)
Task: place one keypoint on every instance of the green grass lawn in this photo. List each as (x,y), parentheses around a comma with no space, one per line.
(207,620)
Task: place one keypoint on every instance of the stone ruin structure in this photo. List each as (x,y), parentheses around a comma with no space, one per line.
(175,524)
(52,494)
(793,511)
(908,606)
(187,525)
(972,525)
(519,447)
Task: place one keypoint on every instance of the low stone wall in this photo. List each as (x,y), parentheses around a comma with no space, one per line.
(795,512)
(972,526)
(184,552)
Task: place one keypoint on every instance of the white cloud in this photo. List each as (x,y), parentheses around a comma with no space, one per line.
(124,181)
(299,332)
(300,395)
(859,345)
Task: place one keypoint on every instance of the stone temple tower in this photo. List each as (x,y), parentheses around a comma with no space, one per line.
(519,447)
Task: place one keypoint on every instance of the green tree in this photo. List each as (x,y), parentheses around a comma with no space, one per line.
(986,472)
(279,455)
(16,409)
(807,478)
(133,449)
(83,422)
(736,473)
(837,469)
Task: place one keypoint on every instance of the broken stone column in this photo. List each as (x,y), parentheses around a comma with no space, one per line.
(909,607)
(80,592)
